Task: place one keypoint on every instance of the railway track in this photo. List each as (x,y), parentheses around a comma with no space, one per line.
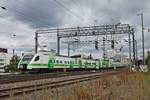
(6,79)
(57,82)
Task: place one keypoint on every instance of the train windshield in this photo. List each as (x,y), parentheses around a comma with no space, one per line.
(27,58)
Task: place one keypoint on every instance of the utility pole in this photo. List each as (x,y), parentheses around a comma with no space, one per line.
(129,47)
(133,40)
(68,49)
(58,42)
(136,52)
(141,15)
(104,52)
(36,42)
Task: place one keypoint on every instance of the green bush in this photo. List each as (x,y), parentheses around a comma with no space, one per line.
(12,67)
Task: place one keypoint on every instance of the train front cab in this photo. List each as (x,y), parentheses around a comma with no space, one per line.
(23,63)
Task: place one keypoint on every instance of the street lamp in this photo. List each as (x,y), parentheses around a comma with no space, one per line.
(14,35)
(141,15)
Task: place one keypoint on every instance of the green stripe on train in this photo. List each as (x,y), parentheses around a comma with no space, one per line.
(54,65)
(37,64)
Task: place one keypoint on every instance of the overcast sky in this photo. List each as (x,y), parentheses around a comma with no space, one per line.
(24,17)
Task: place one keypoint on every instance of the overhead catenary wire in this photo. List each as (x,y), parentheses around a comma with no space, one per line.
(71,12)
(78,4)
(58,3)
(29,16)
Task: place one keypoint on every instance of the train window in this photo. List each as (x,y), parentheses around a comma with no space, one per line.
(60,61)
(57,61)
(68,62)
(36,58)
(1,59)
(65,62)
(1,63)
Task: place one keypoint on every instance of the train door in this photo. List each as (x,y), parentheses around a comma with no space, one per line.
(51,63)
(80,63)
(71,64)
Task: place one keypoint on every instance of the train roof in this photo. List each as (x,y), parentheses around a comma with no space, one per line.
(74,56)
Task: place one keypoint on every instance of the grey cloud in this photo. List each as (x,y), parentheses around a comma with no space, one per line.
(47,13)
(36,13)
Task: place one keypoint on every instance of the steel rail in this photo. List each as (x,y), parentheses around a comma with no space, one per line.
(31,88)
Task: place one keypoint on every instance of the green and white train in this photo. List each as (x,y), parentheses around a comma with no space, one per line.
(49,61)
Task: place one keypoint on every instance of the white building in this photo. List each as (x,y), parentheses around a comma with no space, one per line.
(4,59)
